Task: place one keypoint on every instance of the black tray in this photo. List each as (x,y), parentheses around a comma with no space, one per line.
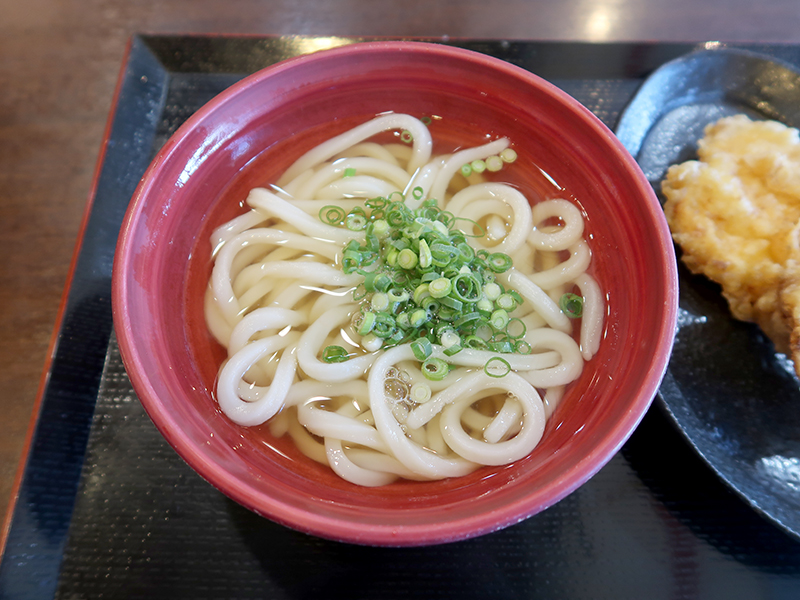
(107,509)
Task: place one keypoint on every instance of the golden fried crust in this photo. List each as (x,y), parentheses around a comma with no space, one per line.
(734,213)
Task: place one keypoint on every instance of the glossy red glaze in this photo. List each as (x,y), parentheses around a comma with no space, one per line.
(239,140)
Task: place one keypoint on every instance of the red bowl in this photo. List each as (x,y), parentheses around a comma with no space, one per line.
(246,137)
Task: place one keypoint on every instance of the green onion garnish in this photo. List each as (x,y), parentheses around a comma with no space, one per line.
(420,393)
(571,305)
(332,215)
(424,284)
(497,367)
(421,348)
(334,354)
(435,369)
(499,262)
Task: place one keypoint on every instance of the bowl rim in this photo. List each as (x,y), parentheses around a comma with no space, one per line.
(338,528)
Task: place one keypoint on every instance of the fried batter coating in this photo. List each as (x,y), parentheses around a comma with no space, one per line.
(735,214)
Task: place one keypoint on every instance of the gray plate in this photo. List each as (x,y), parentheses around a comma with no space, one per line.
(734,398)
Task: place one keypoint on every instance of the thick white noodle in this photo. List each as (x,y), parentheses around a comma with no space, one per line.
(574,266)
(347,469)
(371,150)
(592,319)
(563,237)
(522,220)
(552,398)
(422,143)
(378,461)
(454,163)
(275,206)
(504,452)
(222,276)
(262,319)
(235,226)
(543,304)
(312,342)
(271,400)
(358,186)
(389,175)
(415,458)
(504,421)
(422,179)
(325,423)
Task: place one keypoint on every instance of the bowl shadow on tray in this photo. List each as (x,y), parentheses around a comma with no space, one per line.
(699,500)
(496,565)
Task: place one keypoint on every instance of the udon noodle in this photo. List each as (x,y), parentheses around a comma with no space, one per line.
(366,376)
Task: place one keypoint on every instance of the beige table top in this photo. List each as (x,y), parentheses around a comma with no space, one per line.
(59,62)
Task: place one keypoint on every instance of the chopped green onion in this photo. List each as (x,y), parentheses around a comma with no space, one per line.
(407,259)
(497,367)
(448,337)
(435,369)
(499,319)
(523,347)
(466,170)
(379,302)
(380,228)
(506,302)
(494,164)
(355,222)
(331,214)
(503,347)
(571,305)
(421,348)
(466,287)
(468,318)
(492,291)
(382,282)
(440,287)
(365,323)
(424,254)
(451,302)
(508,155)
(350,172)
(406,137)
(475,343)
(478,166)
(499,262)
(484,306)
(418,318)
(454,349)
(392,256)
(385,325)
(420,293)
(334,354)
(420,393)
(516,328)
(397,295)
(424,283)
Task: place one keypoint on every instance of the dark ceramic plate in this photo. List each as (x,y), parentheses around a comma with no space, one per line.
(734,398)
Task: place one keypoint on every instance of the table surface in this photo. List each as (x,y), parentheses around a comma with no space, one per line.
(60,63)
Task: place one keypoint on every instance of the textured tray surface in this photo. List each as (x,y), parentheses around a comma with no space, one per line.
(654,523)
